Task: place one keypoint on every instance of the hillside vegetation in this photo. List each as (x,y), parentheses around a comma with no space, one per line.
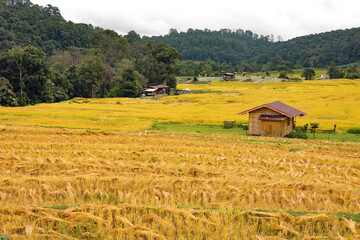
(219,46)
(44,58)
(316,50)
(23,23)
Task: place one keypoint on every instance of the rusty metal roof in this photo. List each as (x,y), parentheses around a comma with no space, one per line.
(150,89)
(279,107)
(158,86)
(229,73)
(272,117)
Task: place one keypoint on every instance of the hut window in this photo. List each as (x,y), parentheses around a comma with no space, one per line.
(288,121)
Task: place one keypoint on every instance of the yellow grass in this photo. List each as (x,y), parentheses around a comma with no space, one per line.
(326,102)
(70,184)
(153,185)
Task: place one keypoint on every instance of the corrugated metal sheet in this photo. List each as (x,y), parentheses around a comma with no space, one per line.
(150,90)
(279,107)
(158,86)
(286,109)
(268,117)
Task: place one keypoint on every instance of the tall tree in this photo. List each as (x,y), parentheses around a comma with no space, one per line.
(29,81)
(7,96)
(77,87)
(128,85)
(92,72)
(162,62)
(308,73)
(17,56)
(112,47)
(332,71)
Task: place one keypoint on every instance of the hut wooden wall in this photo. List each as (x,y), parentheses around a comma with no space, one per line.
(288,125)
(275,126)
(255,123)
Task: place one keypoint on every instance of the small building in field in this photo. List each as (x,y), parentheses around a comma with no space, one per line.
(150,91)
(323,77)
(275,119)
(228,76)
(156,89)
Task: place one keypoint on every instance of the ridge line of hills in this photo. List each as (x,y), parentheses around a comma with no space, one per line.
(23,23)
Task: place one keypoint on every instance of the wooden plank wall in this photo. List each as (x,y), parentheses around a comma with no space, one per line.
(255,123)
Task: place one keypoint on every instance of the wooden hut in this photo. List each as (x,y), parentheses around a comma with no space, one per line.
(156,89)
(272,119)
(228,76)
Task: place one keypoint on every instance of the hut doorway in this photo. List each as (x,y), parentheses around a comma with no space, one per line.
(266,128)
(271,128)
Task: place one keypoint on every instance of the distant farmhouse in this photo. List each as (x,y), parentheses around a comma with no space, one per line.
(323,77)
(272,119)
(156,89)
(228,76)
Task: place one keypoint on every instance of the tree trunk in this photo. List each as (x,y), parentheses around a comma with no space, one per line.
(21,83)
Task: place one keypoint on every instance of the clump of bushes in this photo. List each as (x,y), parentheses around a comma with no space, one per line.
(297,133)
(354,130)
(294,79)
(229,124)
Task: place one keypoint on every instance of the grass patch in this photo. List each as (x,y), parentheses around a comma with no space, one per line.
(354,130)
(61,207)
(4,237)
(206,129)
(189,128)
(295,149)
(334,137)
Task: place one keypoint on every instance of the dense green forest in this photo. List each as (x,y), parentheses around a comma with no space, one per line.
(44,58)
(23,23)
(245,48)
(220,46)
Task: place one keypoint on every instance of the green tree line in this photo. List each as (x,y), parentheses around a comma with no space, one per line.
(23,23)
(111,66)
(44,58)
(240,47)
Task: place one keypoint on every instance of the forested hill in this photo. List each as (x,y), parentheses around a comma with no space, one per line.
(317,50)
(223,45)
(23,23)
(44,58)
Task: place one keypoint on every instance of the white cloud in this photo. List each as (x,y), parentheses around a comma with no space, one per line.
(287,18)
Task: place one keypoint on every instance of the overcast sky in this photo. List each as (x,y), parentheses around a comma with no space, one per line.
(287,18)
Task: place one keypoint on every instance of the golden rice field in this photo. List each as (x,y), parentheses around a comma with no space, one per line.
(326,102)
(82,184)
(89,169)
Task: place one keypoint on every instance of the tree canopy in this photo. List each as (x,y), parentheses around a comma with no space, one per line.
(225,45)
(23,23)
(44,58)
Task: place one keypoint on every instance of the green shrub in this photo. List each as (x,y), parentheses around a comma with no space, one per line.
(4,237)
(354,130)
(297,133)
(244,126)
(229,124)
